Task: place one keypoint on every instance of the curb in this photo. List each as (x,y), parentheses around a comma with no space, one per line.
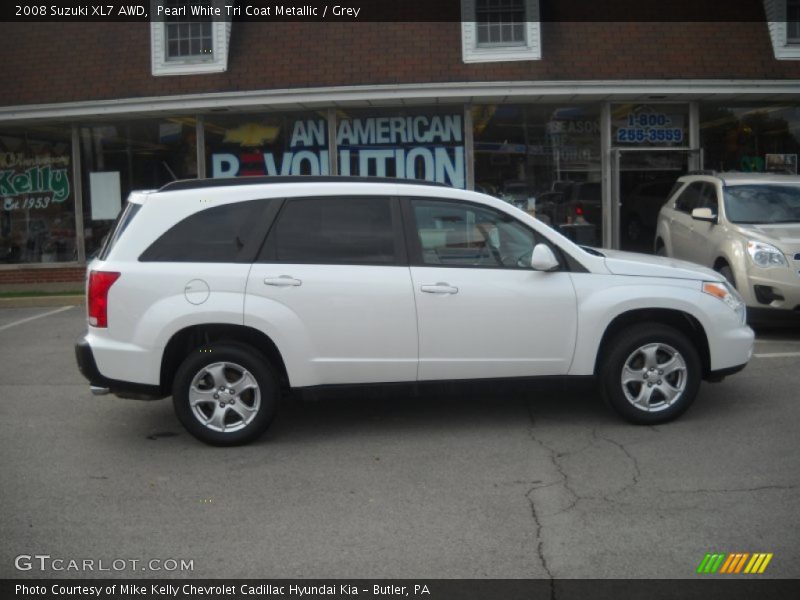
(34,301)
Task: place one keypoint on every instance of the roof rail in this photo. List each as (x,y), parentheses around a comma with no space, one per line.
(192,184)
(702,172)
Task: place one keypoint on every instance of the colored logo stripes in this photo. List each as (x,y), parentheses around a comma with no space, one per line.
(735,563)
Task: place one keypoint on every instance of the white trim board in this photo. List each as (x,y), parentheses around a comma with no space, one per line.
(434,93)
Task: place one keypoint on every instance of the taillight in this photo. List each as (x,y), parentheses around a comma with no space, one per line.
(97,297)
(579,210)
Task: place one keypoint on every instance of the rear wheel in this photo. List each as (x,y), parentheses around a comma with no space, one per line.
(225,394)
(651,374)
(661,249)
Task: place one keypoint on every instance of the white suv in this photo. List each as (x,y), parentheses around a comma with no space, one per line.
(226,293)
(746,226)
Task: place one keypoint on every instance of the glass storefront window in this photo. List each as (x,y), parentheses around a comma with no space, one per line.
(544,159)
(419,143)
(649,138)
(650,125)
(750,138)
(37,217)
(240,145)
(121,156)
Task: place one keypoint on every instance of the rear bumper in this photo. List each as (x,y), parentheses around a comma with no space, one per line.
(125,389)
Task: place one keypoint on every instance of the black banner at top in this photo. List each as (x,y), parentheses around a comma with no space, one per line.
(358,11)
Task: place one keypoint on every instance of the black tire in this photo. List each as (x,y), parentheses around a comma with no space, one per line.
(228,362)
(726,271)
(631,347)
(633,228)
(661,249)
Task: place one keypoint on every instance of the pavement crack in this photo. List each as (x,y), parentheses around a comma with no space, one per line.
(540,541)
(732,490)
(637,473)
(553,455)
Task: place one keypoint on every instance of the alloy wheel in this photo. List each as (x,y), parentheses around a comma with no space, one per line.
(654,377)
(224,397)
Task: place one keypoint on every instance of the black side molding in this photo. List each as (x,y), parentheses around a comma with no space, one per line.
(720,374)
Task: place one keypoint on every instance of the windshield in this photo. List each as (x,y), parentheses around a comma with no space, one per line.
(762,203)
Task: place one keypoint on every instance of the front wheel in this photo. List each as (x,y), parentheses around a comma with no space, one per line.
(225,394)
(726,271)
(651,373)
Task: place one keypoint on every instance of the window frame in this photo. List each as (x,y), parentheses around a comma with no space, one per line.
(415,247)
(268,253)
(473,52)
(777,13)
(216,62)
(501,43)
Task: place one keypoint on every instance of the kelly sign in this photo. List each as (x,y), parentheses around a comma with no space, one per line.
(33,182)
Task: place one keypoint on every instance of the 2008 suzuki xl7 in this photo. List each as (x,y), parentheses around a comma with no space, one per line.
(225,292)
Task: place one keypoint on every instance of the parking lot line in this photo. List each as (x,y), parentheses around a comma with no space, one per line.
(776,355)
(33,318)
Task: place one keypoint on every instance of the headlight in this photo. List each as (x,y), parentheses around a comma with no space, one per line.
(728,294)
(765,255)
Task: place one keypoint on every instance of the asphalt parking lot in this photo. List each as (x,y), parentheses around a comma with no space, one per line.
(545,483)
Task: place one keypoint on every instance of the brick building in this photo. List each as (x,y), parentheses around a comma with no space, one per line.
(515,99)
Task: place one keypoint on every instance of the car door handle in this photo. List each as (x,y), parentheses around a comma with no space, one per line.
(283,281)
(439,288)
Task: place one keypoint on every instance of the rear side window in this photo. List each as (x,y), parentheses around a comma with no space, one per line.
(123,220)
(222,234)
(334,231)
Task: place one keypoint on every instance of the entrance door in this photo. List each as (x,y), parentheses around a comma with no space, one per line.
(642,181)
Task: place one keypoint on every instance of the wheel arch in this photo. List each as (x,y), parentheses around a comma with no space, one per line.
(187,339)
(677,319)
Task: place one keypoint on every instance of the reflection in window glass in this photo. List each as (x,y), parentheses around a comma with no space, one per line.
(762,203)
(37,214)
(144,155)
(544,159)
(750,138)
(218,234)
(457,234)
(335,231)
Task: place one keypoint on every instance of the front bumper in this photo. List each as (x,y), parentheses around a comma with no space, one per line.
(775,288)
(97,381)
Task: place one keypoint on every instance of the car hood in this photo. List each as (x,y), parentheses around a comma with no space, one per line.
(787,234)
(645,265)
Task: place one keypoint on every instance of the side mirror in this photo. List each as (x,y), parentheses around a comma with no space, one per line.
(543,258)
(704,214)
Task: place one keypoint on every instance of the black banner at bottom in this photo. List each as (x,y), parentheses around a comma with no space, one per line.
(420,589)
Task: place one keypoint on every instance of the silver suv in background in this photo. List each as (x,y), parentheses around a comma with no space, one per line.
(746,226)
